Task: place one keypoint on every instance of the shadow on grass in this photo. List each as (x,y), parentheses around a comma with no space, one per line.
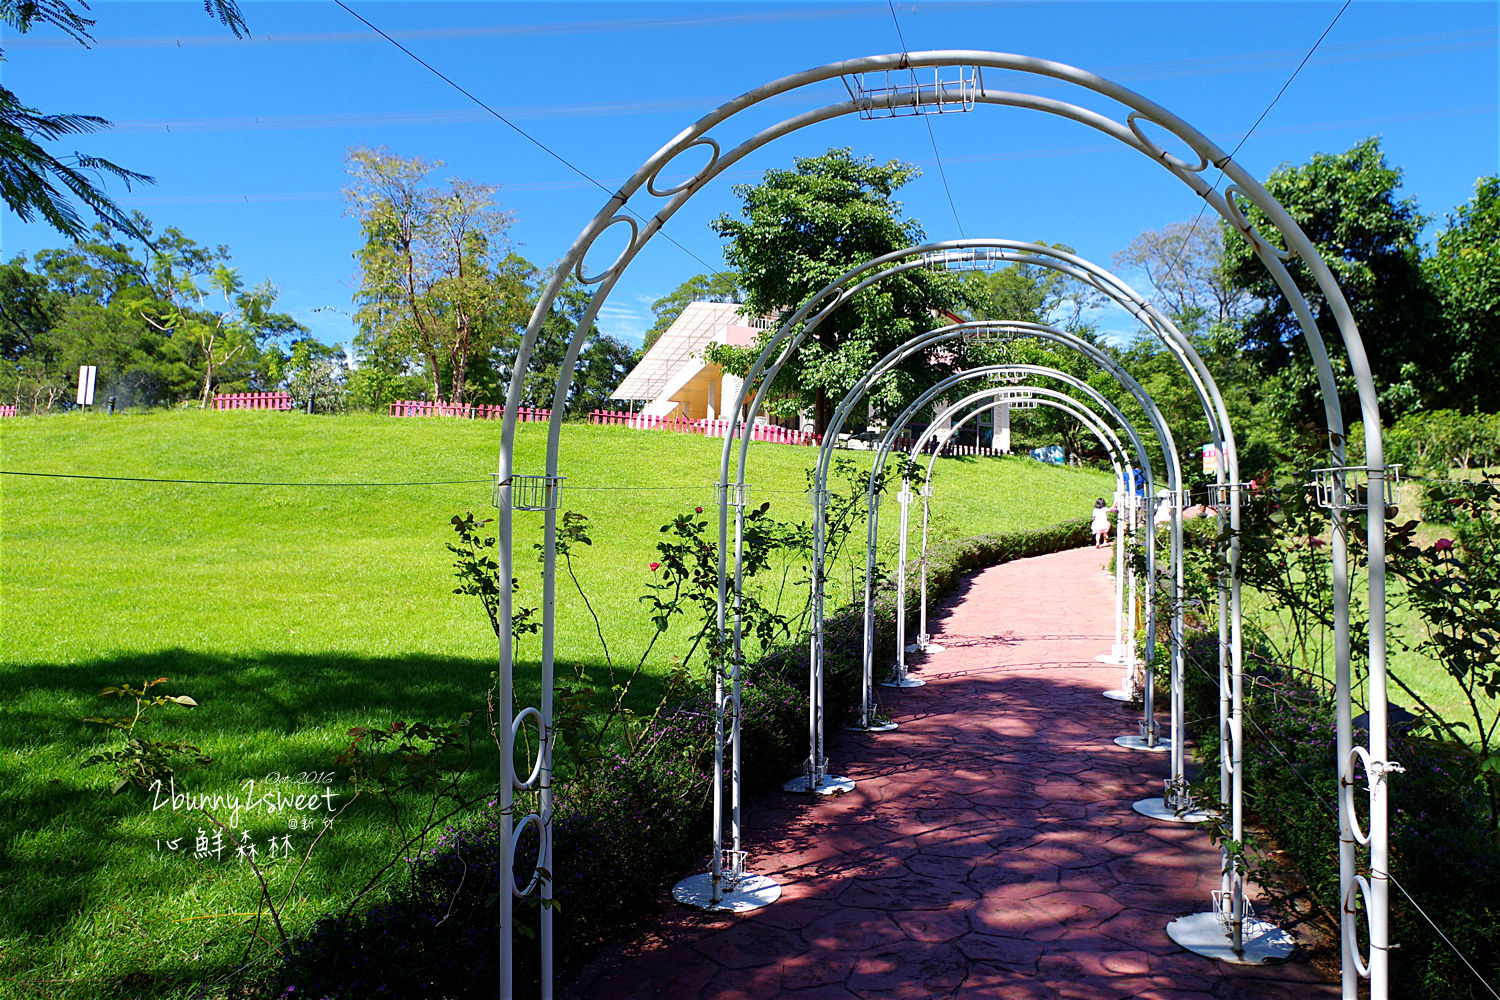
(79,857)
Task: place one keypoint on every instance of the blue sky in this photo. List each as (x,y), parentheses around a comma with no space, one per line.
(246,138)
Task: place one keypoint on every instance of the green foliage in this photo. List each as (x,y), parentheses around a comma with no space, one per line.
(1464,272)
(602,363)
(1348,204)
(168,324)
(1437,853)
(804,227)
(1455,589)
(314,377)
(1444,799)
(142,762)
(373,386)
(1441,442)
(475,568)
(404,756)
(1284,556)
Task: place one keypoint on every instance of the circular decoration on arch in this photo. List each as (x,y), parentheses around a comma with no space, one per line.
(515,730)
(1359,887)
(1359,757)
(594,279)
(1155,149)
(529,820)
(698,174)
(826,301)
(1237,216)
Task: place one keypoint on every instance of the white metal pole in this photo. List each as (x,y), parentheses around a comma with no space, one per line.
(737,871)
(904,498)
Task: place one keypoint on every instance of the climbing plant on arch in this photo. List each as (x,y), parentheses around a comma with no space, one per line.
(953,80)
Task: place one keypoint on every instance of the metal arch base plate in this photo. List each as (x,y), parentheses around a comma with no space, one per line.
(1157,810)
(1203,934)
(905,682)
(873,727)
(1118,695)
(829,784)
(929,649)
(750,893)
(1133,742)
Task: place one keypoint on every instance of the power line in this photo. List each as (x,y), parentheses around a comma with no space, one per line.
(931,136)
(227,482)
(1182,247)
(519,131)
(437,482)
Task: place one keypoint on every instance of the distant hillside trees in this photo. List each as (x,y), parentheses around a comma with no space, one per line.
(171,322)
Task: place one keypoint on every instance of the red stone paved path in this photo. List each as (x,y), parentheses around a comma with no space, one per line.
(988,849)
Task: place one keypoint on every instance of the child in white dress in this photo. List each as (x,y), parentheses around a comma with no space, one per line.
(1100,524)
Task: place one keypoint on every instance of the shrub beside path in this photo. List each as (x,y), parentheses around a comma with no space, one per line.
(988,848)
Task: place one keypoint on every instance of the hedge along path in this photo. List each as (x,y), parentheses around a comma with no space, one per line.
(988,849)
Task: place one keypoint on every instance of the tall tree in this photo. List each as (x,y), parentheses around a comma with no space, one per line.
(722,286)
(1464,270)
(1348,204)
(36,182)
(1184,262)
(438,279)
(801,229)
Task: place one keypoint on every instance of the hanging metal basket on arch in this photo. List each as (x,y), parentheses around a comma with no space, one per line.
(531,492)
(898,93)
(1356,485)
(967,259)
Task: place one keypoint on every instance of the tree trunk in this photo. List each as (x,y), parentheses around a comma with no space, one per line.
(821,412)
(208,373)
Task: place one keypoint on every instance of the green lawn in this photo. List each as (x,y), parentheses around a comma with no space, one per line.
(292,614)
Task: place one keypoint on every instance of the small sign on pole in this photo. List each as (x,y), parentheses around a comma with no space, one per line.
(86,375)
(1210,459)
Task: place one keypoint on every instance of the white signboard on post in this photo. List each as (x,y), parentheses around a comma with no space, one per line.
(86,375)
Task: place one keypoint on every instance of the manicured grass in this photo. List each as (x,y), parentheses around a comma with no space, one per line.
(292,614)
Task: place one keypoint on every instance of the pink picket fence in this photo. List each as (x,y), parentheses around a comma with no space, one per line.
(8,410)
(252,401)
(417,408)
(708,428)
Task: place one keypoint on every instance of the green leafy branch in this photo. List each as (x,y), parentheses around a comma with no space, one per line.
(141,761)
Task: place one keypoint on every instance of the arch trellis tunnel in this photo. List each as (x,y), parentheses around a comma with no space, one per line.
(885,85)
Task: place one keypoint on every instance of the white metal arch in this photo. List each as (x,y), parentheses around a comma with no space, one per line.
(1174,482)
(540,492)
(1124,495)
(1119,462)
